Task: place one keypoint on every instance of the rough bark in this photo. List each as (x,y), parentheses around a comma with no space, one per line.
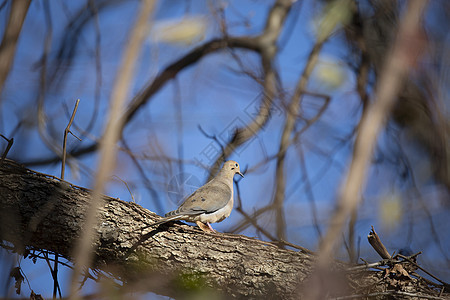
(39,211)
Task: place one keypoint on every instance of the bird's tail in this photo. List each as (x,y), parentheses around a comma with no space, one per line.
(165,220)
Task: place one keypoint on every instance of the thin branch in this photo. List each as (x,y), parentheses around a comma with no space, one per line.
(245,223)
(309,190)
(419,267)
(215,139)
(8,147)
(54,272)
(126,185)
(302,249)
(388,293)
(144,177)
(288,128)
(383,262)
(424,207)
(66,132)
(249,218)
(63,167)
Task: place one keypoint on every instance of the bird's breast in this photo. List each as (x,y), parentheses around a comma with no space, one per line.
(219,215)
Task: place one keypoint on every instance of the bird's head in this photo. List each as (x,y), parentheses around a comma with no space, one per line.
(232,167)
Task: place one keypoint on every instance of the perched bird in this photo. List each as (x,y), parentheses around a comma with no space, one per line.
(211,203)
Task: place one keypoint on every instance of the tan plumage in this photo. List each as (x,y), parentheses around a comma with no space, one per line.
(210,203)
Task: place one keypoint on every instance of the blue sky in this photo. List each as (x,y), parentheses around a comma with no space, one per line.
(211,94)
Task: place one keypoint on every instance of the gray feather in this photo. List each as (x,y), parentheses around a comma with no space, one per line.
(207,199)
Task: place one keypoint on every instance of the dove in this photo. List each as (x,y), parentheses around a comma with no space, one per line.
(210,203)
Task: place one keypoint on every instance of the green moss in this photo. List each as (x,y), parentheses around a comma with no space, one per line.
(193,285)
(190,281)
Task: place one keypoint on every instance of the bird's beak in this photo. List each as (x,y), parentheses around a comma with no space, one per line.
(242,175)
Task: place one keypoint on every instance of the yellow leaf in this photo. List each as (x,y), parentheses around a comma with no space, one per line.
(180,31)
(336,13)
(390,211)
(330,73)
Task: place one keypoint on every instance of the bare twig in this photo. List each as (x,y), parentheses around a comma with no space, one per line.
(249,218)
(66,132)
(302,249)
(216,140)
(54,272)
(425,271)
(376,243)
(71,38)
(309,190)
(424,207)
(126,185)
(388,293)
(368,266)
(144,177)
(8,147)
(244,224)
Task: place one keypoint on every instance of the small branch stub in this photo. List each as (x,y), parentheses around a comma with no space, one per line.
(376,243)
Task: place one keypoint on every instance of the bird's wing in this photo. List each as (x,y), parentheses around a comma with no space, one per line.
(207,199)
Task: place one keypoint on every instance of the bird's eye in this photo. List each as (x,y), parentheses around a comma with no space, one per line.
(236,165)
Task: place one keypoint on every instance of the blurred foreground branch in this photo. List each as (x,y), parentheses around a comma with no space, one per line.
(108,144)
(396,67)
(8,45)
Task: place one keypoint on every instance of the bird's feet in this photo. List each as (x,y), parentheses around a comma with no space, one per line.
(205,228)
